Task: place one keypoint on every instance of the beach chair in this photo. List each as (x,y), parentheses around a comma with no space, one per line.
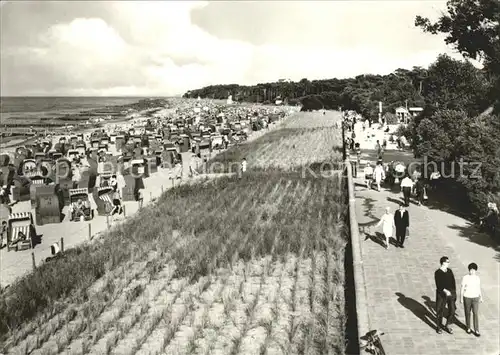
(21,230)
(81,148)
(39,156)
(103,147)
(21,150)
(80,194)
(103,200)
(73,154)
(49,202)
(150,166)
(28,166)
(104,179)
(125,162)
(49,164)
(137,139)
(36,179)
(51,153)
(137,167)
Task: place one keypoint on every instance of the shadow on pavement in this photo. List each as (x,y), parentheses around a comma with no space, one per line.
(379,238)
(431,306)
(418,309)
(368,207)
(37,240)
(451,201)
(472,233)
(394,200)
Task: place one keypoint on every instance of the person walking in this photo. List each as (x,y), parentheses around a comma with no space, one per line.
(387,223)
(120,183)
(406,186)
(420,190)
(470,296)
(399,172)
(402,223)
(379,174)
(380,150)
(446,295)
(368,171)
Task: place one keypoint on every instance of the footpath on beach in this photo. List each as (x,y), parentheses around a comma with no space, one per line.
(399,286)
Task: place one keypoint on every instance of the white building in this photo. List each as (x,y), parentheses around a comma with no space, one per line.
(402,114)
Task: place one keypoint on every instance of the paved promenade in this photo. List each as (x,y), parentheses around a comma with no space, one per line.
(400,282)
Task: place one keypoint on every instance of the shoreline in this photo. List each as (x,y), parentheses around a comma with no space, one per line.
(80,115)
(141,108)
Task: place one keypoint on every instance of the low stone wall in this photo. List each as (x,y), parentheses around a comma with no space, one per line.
(363,321)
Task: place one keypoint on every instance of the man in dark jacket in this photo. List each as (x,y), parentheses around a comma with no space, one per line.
(446,294)
(420,190)
(402,222)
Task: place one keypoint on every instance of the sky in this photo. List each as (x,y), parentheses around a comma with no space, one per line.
(126,48)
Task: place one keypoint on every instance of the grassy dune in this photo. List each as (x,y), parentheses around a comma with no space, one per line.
(230,266)
(304,139)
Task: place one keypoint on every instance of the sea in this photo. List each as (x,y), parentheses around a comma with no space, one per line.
(42,107)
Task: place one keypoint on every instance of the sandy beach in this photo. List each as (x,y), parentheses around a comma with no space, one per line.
(16,264)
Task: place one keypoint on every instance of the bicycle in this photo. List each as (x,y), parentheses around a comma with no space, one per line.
(373,344)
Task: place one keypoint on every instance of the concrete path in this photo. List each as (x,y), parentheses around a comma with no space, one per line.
(400,282)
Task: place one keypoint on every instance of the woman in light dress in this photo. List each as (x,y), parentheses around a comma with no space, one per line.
(388,225)
(379,175)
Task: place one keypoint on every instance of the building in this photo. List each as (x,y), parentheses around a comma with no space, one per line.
(402,114)
(415,111)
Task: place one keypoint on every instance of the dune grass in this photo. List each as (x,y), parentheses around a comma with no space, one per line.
(233,265)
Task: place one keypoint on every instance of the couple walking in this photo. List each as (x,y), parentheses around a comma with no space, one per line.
(400,222)
(446,296)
